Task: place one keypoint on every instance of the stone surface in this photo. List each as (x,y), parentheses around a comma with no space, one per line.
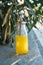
(34,57)
(39,40)
(39,35)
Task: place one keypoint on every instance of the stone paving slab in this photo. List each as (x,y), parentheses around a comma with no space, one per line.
(39,41)
(39,35)
(8,56)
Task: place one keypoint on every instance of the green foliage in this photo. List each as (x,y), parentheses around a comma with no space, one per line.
(32,9)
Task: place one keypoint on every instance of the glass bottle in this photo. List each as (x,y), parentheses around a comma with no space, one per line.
(21,37)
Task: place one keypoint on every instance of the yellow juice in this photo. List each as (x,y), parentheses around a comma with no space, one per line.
(21,44)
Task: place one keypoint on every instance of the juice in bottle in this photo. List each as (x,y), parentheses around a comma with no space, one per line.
(21,44)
